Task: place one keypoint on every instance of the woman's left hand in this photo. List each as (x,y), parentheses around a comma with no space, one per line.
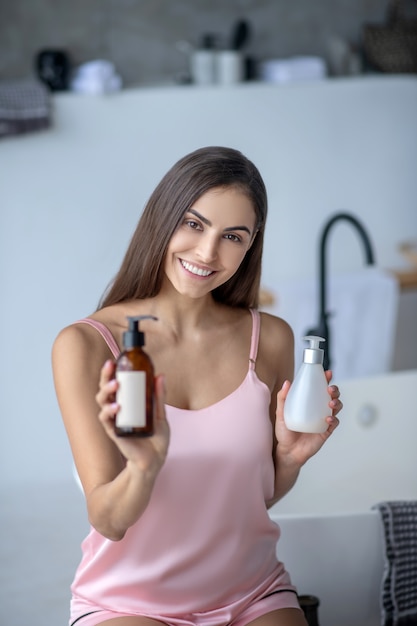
(302,446)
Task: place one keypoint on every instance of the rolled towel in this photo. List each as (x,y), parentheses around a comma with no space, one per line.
(96,77)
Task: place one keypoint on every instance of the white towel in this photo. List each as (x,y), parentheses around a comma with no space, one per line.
(293,69)
(363,307)
(399,584)
(96,77)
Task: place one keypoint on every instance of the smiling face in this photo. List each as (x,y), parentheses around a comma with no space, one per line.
(211,241)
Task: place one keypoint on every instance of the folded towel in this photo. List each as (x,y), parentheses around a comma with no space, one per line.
(96,77)
(399,583)
(293,69)
(24,107)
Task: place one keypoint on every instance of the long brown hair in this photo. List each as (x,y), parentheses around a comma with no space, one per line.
(142,269)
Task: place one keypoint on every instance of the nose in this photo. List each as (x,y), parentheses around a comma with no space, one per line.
(207,248)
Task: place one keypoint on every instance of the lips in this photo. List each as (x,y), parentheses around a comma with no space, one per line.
(194,269)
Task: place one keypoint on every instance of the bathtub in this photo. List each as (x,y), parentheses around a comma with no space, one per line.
(331,540)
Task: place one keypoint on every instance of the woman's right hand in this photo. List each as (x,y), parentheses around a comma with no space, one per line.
(146,453)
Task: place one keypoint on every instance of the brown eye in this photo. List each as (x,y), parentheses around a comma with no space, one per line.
(192,224)
(234,238)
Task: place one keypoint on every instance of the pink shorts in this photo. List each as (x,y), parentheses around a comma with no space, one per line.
(283,599)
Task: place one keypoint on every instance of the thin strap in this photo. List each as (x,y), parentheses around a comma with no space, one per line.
(104,332)
(256,326)
(91,612)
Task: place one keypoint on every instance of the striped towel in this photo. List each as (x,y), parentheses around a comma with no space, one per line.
(399,583)
(24,107)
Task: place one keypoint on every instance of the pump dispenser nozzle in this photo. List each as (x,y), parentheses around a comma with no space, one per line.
(133,337)
(313,354)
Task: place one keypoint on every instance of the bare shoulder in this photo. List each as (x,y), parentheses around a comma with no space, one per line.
(85,340)
(78,355)
(276,350)
(276,333)
(79,341)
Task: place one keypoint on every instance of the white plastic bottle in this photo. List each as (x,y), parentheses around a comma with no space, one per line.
(307,404)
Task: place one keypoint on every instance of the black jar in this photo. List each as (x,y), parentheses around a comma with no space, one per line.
(53,69)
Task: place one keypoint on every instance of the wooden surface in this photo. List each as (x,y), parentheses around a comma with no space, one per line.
(407,279)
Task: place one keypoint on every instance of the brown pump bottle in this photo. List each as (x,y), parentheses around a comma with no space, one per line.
(135,375)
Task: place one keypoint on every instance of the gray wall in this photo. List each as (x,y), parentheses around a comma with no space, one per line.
(140,36)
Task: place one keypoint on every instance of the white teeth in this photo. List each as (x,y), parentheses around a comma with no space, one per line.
(195,270)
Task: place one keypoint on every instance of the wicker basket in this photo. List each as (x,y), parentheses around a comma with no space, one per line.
(392,47)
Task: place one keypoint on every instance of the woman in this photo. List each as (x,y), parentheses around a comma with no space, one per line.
(180,532)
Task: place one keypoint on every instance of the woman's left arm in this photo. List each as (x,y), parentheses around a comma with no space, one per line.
(293,449)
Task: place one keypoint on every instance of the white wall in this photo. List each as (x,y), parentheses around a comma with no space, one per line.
(71,196)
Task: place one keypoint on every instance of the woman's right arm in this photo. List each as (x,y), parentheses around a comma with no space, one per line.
(117,473)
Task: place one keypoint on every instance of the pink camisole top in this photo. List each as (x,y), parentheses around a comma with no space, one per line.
(205,539)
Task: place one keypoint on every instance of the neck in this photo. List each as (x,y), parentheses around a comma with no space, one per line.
(181,312)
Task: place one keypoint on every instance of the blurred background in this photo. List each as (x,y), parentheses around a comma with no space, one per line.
(141,38)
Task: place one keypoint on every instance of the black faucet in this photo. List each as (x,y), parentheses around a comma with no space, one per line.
(322,329)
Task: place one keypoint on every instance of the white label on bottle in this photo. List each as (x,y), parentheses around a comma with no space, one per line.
(131,396)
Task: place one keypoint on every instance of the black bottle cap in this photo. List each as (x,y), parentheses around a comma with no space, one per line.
(133,337)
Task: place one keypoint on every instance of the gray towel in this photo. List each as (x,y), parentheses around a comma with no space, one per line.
(24,107)
(399,583)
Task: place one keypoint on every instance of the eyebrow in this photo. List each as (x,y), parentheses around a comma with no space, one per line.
(226,230)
